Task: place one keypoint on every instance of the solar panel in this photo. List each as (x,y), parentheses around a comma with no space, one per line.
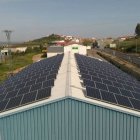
(122,100)
(11,94)
(52,76)
(114,89)
(41,79)
(85,76)
(3,104)
(48,83)
(13,102)
(2,96)
(137,89)
(128,87)
(126,93)
(32,84)
(119,85)
(102,76)
(100,86)
(20,85)
(97,79)
(24,90)
(107,96)
(9,89)
(88,83)
(135,103)
(92,92)
(108,83)
(136,95)
(30,97)
(43,93)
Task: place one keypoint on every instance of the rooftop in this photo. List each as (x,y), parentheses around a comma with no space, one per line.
(80,77)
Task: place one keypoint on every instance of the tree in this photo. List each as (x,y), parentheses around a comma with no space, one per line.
(87,42)
(94,44)
(137,30)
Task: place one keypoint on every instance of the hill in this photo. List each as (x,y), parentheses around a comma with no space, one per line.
(44,40)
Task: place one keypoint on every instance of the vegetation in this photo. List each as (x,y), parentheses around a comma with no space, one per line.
(137,30)
(129,45)
(44,40)
(87,42)
(94,44)
(17,61)
(23,59)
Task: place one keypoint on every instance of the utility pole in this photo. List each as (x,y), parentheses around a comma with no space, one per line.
(8,37)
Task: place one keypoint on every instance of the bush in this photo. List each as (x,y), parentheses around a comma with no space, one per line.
(44,55)
(130,49)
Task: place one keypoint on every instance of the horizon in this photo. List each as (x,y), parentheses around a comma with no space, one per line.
(33,19)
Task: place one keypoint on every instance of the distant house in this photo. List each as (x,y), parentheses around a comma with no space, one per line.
(4,52)
(19,49)
(123,38)
(76,48)
(113,45)
(59,43)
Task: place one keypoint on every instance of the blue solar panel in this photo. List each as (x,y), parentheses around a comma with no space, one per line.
(110,84)
(31,84)
(93,92)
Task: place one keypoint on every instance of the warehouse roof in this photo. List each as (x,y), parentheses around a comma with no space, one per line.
(55,49)
(71,81)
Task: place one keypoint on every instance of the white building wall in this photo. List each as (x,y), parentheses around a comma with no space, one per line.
(78,49)
(52,54)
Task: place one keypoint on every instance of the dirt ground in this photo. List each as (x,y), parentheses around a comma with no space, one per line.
(36,58)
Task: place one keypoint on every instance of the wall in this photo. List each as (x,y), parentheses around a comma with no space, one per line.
(75,48)
(52,54)
(70,119)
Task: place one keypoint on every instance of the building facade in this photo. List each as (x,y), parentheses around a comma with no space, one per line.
(70,119)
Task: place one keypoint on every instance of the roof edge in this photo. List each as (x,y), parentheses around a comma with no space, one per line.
(22,109)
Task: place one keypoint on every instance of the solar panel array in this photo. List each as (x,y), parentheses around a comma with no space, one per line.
(32,84)
(105,82)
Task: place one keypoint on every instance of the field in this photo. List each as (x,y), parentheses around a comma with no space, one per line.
(129,45)
(17,61)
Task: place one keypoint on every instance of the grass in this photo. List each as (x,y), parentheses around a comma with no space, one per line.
(18,61)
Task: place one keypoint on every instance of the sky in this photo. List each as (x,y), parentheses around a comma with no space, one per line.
(31,19)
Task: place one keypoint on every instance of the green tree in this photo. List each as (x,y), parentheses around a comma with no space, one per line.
(137,30)
(94,44)
(87,42)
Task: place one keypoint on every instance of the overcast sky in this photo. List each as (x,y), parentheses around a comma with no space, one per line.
(30,19)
